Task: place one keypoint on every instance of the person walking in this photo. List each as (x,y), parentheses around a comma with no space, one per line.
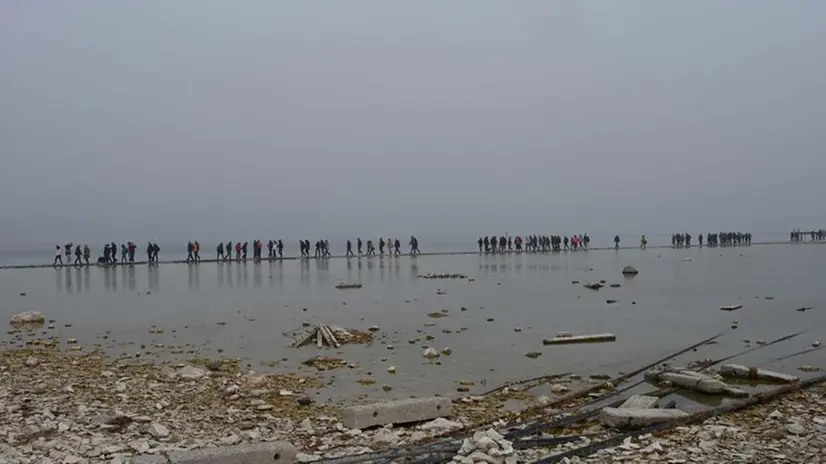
(58,257)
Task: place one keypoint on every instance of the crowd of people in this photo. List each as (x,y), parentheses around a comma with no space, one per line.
(83,253)
(724,239)
(532,243)
(275,250)
(797,236)
(321,248)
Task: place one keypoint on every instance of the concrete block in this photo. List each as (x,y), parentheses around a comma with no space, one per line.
(743,372)
(629,418)
(640,402)
(396,412)
(276,452)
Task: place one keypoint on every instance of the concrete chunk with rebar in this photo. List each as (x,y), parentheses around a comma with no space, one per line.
(753,373)
(635,418)
(396,412)
(276,452)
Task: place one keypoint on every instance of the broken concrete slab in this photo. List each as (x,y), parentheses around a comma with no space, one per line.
(701,384)
(640,402)
(596,338)
(743,372)
(277,452)
(396,412)
(633,418)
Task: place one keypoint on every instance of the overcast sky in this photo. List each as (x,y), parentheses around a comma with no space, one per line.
(215,119)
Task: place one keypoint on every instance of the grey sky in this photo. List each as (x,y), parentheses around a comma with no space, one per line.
(224,120)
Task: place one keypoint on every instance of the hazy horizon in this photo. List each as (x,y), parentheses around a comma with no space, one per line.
(217,120)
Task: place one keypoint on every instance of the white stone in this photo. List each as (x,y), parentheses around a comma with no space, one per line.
(795,429)
(191,373)
(559,388)
(139,446)
(158,430)
(386,437)
(440,423)
(430,353)
(32,361)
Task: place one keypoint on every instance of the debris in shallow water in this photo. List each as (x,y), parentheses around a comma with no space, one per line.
(630,270)
(331,336)
(596,338)
(436,315)
(442,276)
(324,363)
(731,307)
(805,308)
(347,286)
(533,354)
(593,285)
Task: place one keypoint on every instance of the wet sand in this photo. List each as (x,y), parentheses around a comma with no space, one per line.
(244,310)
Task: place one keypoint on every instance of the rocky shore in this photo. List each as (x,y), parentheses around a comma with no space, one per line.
(66,407)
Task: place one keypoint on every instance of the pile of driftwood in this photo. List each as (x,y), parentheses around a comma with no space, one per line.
(322,333)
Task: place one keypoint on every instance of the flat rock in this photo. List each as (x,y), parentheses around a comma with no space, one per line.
(640,402)
(158,430)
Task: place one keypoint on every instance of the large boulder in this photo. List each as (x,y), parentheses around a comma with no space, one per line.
(630,270)
(28,317)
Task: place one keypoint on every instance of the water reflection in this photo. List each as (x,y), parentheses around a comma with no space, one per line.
(154,278)
(279,273)
(220,273)
(256,274)
(69,281)
(194,273)
(305,272)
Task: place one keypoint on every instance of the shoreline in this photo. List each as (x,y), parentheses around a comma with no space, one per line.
(84,408)
(408,255)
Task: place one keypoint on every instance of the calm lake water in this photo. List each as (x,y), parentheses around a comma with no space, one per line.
(244,310)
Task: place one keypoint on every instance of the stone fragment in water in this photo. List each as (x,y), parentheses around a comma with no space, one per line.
(430,353)
(533,354)
(28,317)
(630,270)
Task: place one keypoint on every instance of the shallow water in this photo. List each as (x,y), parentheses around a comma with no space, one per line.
(677,304)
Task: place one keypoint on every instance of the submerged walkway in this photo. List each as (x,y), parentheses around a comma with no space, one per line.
(441,253)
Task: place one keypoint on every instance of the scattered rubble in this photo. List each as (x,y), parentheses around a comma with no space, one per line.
(486,446)
(630,270)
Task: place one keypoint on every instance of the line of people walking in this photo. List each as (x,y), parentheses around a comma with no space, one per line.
(725,239)
(83,254)
(532,243)
(797,236)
